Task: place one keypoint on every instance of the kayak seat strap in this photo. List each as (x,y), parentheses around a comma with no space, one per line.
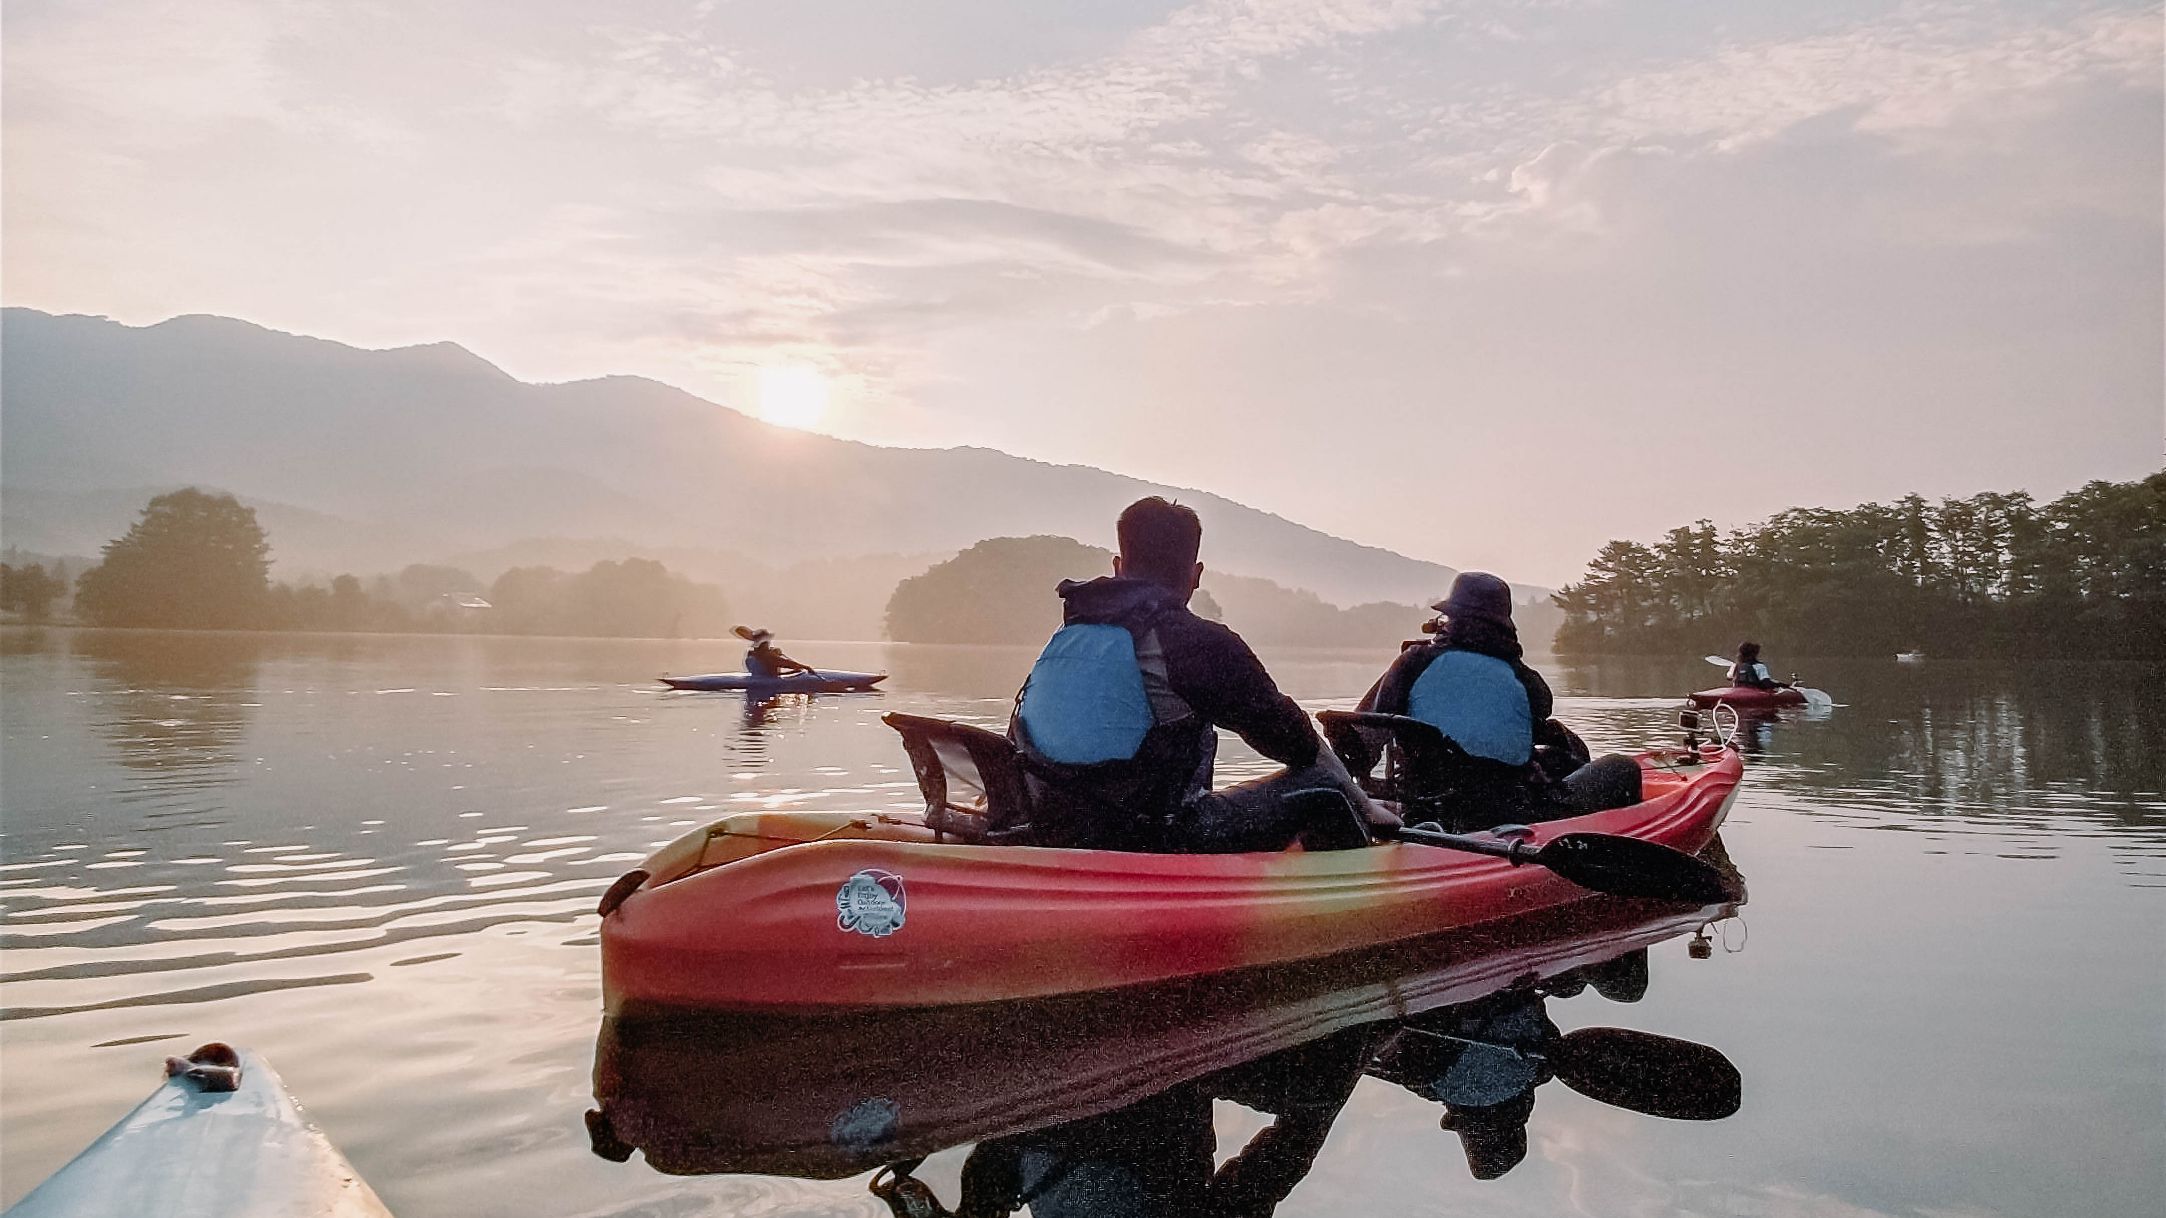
(971,778)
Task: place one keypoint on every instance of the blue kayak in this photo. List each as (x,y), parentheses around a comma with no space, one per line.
(825,681)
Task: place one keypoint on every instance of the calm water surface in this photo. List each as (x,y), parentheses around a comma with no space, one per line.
(376,860)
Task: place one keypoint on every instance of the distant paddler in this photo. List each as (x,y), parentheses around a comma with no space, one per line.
(765,660)
(1749,672)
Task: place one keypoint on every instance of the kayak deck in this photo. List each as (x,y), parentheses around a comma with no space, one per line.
(193,1152)
(1746,697)
(835,909)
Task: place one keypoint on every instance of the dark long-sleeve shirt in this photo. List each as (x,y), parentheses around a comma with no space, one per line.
(1127,804)
(1208,665)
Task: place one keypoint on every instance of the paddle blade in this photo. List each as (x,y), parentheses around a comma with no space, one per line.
(1658,1075)
(1717,661)
(1629,867)
(1816,697)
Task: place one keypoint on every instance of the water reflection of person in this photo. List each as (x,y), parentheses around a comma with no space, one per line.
(1484,1060)
(1153,1159)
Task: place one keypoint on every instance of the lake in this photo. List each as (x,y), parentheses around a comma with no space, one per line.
(376,859)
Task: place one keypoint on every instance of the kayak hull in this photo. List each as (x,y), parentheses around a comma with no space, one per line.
(1745,697)
(826,681)
(190,1153)
(805,910)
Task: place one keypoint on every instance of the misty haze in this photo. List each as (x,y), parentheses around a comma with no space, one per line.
(1148,609)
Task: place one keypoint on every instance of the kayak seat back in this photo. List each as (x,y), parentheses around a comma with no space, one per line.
(1425,771)
(972,779)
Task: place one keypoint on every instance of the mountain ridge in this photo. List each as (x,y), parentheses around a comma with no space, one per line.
(434,441)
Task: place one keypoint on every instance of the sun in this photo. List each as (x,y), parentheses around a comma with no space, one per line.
(793,396)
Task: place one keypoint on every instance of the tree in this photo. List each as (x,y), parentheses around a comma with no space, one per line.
(997,591)
(194,560)
(1993,574)
(31,590)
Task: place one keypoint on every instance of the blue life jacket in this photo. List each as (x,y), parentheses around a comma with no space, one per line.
(1113,749)
(756,664)
(1094,695)
(1084,702)
(1476,700)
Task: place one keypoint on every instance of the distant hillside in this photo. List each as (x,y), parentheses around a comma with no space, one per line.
(367,460)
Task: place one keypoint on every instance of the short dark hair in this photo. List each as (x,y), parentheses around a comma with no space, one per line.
(1159,540)
(1748,649)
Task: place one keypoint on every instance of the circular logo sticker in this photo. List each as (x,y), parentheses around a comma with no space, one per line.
(866,1124)
(871,903)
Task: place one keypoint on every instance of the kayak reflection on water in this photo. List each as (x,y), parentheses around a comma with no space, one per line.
(1101,1104)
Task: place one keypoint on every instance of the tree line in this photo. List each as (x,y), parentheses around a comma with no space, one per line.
(198,560)
(1993,574)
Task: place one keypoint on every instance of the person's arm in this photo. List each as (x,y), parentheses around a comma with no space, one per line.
(1540,702)
(1216,673)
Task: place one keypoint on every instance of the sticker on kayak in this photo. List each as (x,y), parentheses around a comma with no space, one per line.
(871,903)
(866,1124)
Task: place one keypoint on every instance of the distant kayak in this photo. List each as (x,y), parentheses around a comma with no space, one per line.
(1745,697)
(223,1141)
(825,681)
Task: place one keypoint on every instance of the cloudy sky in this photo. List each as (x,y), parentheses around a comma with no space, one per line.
(1489,283)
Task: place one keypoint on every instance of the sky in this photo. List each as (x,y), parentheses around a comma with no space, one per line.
(1486,283)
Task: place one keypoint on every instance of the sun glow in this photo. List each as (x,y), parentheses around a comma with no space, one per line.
(794,396)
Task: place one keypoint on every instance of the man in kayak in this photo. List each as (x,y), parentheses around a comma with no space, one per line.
(1118,717)
(1471,682)
(765,659)
(1749,671)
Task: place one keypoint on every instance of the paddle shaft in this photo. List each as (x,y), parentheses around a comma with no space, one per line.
(1598,862)
(1518,852)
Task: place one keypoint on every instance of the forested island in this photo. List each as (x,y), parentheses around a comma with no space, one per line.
(1994,574)
(1002,591)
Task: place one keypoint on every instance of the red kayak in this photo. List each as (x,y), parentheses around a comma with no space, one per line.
(1746,697)
(815,910)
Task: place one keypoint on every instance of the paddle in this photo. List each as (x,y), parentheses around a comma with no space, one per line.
(1657,1075)
(1816,697)
(1598,862)
(1638,1071)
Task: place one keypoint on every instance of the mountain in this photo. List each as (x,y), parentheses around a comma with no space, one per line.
(351,455)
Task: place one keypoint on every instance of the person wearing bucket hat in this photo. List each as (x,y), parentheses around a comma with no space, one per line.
(765,659)
(1471,682)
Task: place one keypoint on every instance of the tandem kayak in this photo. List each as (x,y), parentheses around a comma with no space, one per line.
(1746,697)
(223,1140)
(820,910)
(826,681)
